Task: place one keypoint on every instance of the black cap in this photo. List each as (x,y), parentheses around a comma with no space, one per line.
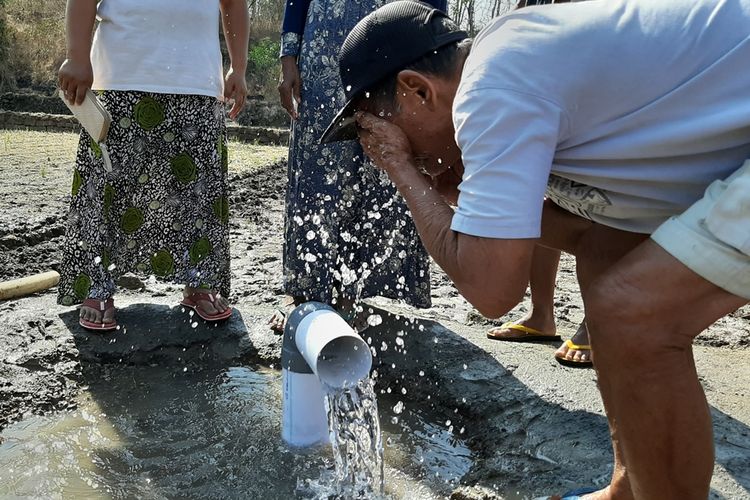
(381,44)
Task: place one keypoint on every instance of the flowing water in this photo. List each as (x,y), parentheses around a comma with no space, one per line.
(214,432)
(356,440)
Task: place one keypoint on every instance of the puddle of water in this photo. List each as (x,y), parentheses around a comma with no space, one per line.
(154,432)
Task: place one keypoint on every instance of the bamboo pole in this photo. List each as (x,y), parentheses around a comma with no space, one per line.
(28,285)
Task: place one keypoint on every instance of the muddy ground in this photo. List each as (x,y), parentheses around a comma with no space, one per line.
(533,426)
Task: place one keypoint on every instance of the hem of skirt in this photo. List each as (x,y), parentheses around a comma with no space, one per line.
(76,301)
(328,298)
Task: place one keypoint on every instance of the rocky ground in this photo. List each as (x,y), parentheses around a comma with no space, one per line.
(533,426)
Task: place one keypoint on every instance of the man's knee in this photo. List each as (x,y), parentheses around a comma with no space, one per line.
(626,323)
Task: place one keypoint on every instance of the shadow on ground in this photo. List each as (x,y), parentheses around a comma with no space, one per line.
(524,444)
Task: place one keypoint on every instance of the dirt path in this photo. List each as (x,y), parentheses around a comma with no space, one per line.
(534,426)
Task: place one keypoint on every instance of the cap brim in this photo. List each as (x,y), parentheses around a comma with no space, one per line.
(343,127)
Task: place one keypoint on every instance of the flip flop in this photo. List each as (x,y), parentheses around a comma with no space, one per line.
(530,334)
(576,364)
(576,494)
(191,301)
(101,306)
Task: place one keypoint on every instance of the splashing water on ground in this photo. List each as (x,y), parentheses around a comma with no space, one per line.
(357,446)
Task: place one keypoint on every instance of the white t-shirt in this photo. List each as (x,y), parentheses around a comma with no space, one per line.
(163,46)
(629,108)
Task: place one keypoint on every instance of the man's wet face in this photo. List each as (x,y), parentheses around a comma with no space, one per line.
(434,151)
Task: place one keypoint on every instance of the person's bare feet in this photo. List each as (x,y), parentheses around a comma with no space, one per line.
(218,306)
(580,339)
(542,322)
(277,322)
(93,315)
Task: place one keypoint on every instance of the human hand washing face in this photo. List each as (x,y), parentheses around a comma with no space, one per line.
(389,149)
(384,142)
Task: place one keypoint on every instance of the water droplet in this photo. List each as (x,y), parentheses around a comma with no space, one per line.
(310,235)
(310,257)
(374,320)
(194,324)
(398,408)
(421,373)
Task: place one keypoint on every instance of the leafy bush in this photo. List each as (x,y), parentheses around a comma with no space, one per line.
(263,67)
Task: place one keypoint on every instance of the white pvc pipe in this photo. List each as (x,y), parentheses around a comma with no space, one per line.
(304,420)
(334,351)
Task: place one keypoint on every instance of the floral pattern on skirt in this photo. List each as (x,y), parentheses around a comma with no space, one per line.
(162,210)
(347,230)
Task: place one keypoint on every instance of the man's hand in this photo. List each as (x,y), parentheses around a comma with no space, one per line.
(75,78)
(235,88)
(289,86)
(385,143)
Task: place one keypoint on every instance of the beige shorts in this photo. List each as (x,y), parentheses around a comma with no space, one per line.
(712,237)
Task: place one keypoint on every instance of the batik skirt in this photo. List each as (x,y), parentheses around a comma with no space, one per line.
(347,230)
(161,208)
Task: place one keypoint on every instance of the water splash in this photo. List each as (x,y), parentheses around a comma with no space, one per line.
(356,441)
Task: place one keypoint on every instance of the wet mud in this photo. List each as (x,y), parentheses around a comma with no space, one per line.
(534,428)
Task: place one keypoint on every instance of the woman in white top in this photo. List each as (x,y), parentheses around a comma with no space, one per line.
(161,207)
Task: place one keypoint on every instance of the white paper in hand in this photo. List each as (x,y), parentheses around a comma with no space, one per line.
(91,115)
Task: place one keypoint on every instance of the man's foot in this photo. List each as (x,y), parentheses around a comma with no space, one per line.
(532,327)
(97,315)
(583,494)
(576,352)
(208,304)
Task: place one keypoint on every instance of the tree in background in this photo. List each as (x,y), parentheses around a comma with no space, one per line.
(32,39)
(472,15)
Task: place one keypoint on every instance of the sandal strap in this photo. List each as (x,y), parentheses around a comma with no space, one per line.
(577,347)
(521,328)
(211,297)
(98,304)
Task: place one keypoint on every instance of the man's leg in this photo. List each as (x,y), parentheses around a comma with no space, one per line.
(643,315)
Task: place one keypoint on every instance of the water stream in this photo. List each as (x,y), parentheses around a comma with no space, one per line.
(214,432)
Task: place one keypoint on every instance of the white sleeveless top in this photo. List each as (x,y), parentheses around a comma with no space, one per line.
(163,46)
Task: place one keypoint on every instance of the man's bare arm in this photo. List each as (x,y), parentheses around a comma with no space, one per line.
(492,274)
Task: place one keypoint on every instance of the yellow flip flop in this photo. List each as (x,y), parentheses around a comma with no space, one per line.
(530,334)
(572,363)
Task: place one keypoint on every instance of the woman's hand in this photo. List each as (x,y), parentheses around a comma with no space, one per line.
(385,143)
(289,86)
(235,88)
(75,78)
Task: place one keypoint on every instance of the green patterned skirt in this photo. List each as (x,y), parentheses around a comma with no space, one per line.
(163,207)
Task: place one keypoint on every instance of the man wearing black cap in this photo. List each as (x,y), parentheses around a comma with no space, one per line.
(633,117)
